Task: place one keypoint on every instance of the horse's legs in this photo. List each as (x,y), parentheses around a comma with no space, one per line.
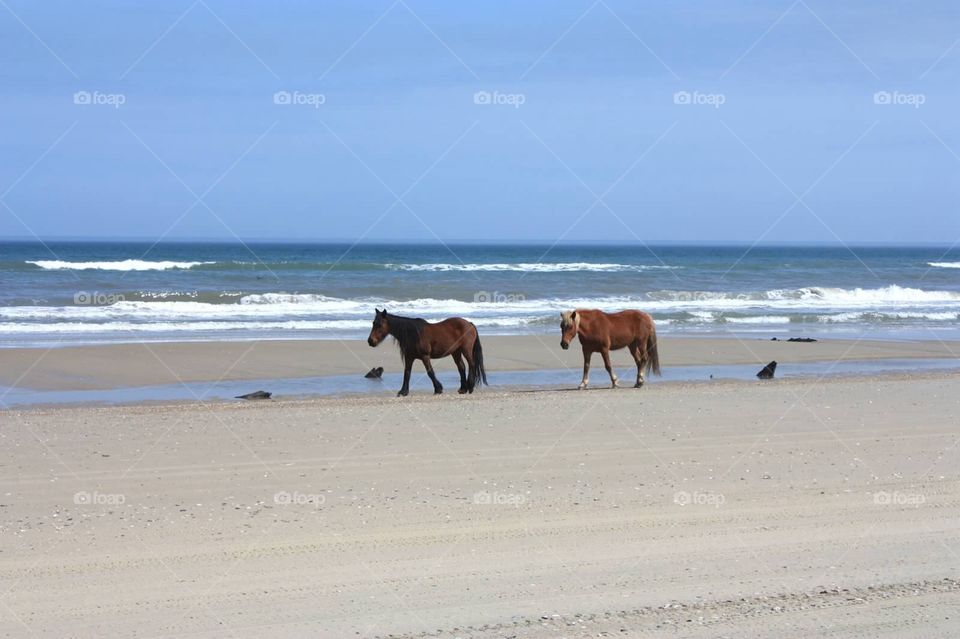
(471,378)
(605,353)
(407,367)
(587,354)
(635,349)
(437,386)
(458,360)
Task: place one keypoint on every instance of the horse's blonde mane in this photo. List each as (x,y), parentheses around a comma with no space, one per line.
(567,319)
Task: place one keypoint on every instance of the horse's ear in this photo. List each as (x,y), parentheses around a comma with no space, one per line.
(573,315)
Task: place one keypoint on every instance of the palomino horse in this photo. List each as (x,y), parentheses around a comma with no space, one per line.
(419,339)
(604,332)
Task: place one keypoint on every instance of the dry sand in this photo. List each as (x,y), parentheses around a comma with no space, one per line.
(143,364)
(764,509)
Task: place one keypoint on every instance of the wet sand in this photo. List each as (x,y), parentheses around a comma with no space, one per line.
(146,364)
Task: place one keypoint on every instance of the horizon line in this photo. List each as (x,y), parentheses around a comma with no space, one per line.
(474,241)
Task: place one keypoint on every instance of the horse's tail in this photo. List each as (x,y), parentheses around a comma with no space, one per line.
(653,355)
(477,371)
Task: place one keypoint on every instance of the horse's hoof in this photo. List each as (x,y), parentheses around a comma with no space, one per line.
(463,391)
(582,387)
(638,385)
(438,391)
(402,393)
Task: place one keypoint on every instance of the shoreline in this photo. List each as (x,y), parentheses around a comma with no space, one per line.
(502,392)
(114,366)
(185,394)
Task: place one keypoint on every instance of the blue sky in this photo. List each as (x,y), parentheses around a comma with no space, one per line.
(606,120)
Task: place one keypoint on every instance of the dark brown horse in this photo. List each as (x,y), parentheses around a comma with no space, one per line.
(419,339)
(605,332)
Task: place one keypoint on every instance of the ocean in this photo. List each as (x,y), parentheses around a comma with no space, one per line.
(62,293)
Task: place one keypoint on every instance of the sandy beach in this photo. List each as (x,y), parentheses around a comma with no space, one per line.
(782,509)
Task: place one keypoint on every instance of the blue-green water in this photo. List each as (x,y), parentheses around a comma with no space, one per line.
(65,293)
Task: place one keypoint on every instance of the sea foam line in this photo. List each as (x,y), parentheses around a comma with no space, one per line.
(279,306)
(358,326)
(121,265)
(530,267)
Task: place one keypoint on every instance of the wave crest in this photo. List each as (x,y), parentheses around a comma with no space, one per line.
(120,265)
(810,296)
(531,267)
(282,312)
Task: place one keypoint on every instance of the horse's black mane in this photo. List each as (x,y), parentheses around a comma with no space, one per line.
(407,331)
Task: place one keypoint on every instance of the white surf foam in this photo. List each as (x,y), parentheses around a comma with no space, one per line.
(177,327)
(944,264)
(867,316)
(808,297)
(279,312)
(216,326)
(759,319)
(121,265)
(531,267)
(487,304)
(888,295)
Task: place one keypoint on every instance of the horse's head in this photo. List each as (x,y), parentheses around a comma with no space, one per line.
(569,325)
(381,327)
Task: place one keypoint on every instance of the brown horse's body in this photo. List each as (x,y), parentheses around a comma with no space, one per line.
(418,339)
(605,332)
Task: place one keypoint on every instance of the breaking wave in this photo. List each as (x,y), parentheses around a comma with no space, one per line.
(121,265)
(532,267)
(298,314)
